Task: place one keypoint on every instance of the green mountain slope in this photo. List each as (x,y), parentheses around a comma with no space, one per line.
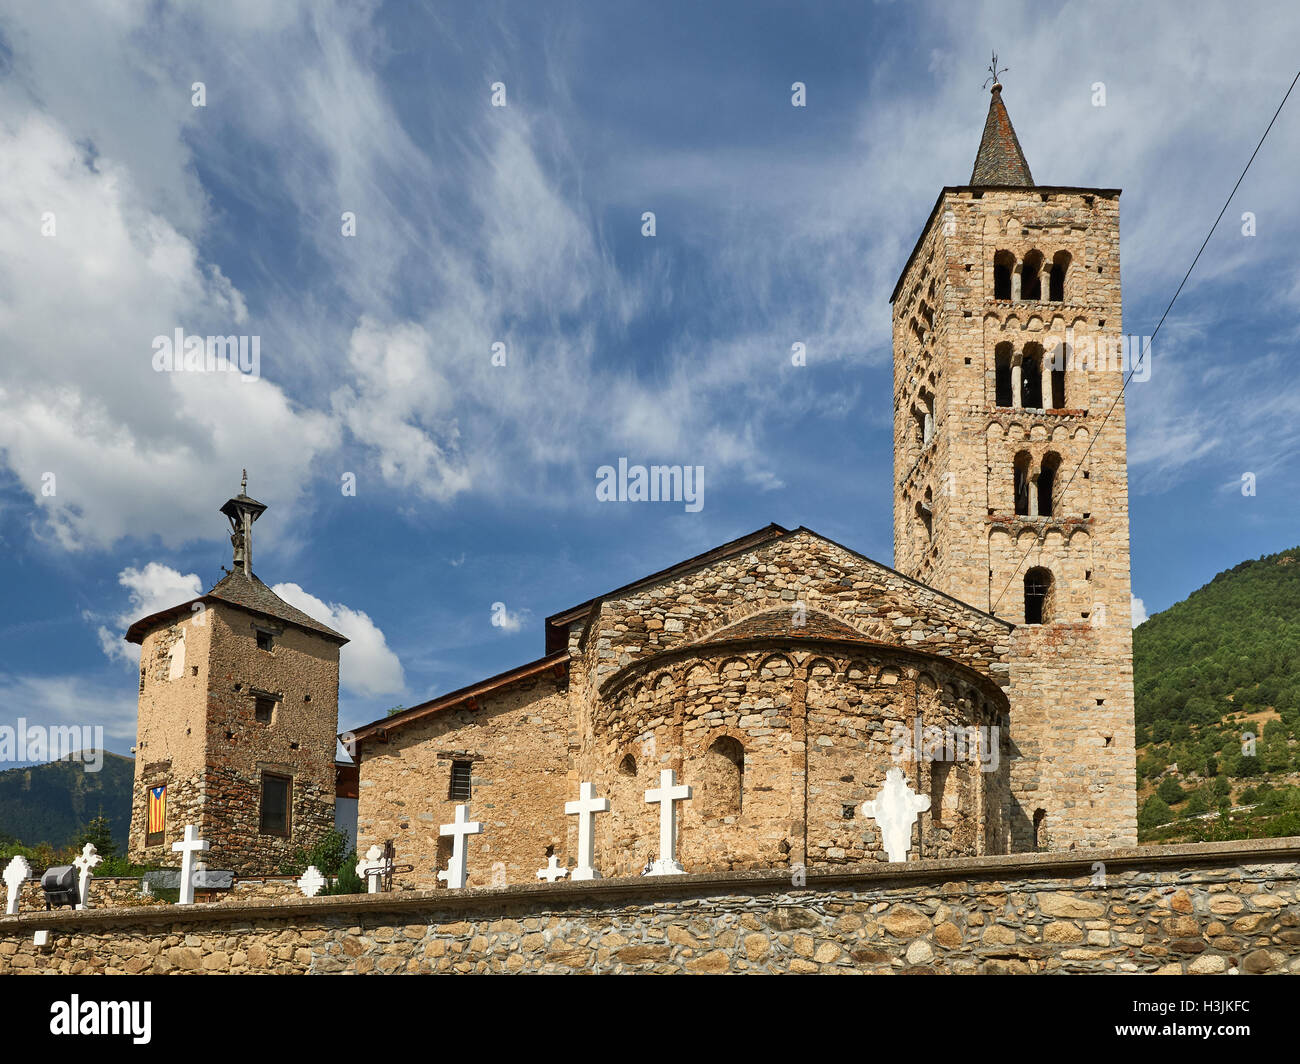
(1210,672)
(50,803)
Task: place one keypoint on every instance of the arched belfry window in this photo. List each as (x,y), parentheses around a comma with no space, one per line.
(1056,284)
(1031,276)
(1002,375)
(726,776)
(1031,378)
(1060,356)
(1003,265)
(1020,482)
(1047,487)
(1038,596)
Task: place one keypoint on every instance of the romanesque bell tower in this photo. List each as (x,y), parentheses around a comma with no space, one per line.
(1011,490)
(237,720)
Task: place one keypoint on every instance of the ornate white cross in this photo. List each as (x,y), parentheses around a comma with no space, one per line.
(311,881)
(187,848)
(586,808)
(552,871)
(454,876)
(85,862)
(15,872)
(372,867)
(894,810)
(667,795)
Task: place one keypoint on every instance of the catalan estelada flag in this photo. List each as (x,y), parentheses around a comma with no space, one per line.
(157,808)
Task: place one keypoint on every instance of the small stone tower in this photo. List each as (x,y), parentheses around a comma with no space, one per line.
(237,720)
(1009,494)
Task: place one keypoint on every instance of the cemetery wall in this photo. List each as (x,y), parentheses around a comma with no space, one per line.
(118,892)
(1211,908)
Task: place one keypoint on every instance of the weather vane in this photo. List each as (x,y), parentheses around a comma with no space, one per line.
(994,71)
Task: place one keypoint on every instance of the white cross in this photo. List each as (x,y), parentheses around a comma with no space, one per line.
(371,868)
(311,881)
(667,795)
(15,872)
(586,807)
(187,848)
(894,810)
(552,871)
(454,876)
(88,859)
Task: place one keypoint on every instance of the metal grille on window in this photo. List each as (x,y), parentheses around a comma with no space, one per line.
(460,781)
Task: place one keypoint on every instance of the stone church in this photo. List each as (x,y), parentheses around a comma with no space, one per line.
(780,675)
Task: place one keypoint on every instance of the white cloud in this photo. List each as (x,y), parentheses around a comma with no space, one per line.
(71,700)
(153,588)
(1137,609)
(505,620)
(366,665)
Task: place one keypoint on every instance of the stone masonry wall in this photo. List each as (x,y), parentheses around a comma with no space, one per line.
(517,741)
(198,733)
(1073,781)
(1219,908)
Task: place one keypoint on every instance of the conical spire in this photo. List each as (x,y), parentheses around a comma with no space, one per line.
(1000,160)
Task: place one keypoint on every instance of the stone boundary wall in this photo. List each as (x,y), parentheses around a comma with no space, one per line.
(1210,908)
(123,892)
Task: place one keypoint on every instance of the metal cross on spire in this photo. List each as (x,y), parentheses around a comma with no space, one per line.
(243,484)
(994,72)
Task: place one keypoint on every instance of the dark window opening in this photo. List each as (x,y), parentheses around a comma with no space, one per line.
(264,640)
(1056,285)
(1058,389)
(263,708)
(1031,382)
(1040,815)
(1003,263)
(1038,584)
(461,781)
(627,767)
(277,794)
(1021,483)
(1031,278)
(1047,484)
(727,766)
(1002,375)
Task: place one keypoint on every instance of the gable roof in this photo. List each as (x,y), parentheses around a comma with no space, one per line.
(248,593)
(557,624)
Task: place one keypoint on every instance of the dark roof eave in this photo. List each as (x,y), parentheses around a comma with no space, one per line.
(141,628)
(986,188)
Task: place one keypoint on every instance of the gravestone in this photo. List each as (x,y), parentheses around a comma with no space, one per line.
(459,830)
(667,794)
(15,872)
(311,881)
(188,848)
(85,863)
(552,871)
(586,808)
(371,868)
(895,810)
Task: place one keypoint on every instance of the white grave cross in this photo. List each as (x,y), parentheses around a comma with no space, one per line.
(15,872)
(552,871)
(586,808)
(85,862)
(894,810)
(454,876)
(371,868)
(311,881)
(667,794)
(187,848)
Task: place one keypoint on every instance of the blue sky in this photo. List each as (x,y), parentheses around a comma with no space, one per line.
(522,225)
